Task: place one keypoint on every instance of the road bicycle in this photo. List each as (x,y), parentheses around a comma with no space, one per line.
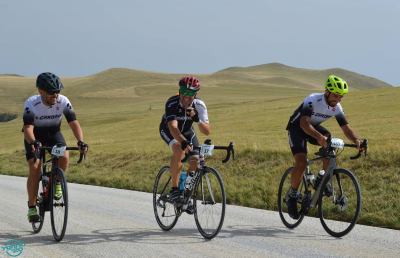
(206,199)
(50,175)
(337,194)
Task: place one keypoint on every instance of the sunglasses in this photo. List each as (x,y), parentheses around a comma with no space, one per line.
(53,92)
(187,92)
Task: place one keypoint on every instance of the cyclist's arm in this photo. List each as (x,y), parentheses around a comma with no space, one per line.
(28,119)
(309,129)
(28,133)
(174,130)
(350,134)
(204,125)
(76,129)
(205,128)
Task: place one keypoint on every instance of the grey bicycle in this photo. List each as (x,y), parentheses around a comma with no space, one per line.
(338,195)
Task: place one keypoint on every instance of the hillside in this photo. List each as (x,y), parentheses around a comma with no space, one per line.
(120,109)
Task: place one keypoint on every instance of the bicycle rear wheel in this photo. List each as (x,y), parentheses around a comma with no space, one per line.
(164,211)
(58,206)
(37,226)
(283,191)
(209,203)
(340,204)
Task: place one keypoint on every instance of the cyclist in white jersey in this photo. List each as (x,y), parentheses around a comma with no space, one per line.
(42,121)
(304,126)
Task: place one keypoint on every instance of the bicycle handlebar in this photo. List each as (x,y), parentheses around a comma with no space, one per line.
(230,151)
(324,152)
(363,148)
(37,152)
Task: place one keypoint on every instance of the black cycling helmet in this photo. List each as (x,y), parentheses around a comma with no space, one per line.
(49,82)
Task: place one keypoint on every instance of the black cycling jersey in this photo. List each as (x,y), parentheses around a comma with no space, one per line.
(175,111)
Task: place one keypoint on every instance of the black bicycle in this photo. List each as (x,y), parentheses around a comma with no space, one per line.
(51,174)
(206,200)
(337,194)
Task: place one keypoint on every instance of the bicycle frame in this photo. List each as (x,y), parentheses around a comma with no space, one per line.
(329,172)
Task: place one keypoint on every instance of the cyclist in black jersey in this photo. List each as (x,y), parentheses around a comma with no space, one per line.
(177,131)
(42,120)
(304,126)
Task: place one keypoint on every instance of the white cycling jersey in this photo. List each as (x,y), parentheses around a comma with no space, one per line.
(40,115)
(315,106)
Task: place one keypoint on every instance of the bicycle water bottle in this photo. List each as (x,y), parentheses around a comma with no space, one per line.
(45,181)
(310,178)
(188,182)
(320,175)
(182,180)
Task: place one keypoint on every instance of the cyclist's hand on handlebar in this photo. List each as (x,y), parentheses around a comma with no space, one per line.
(83,147)
(322,140)
(186,146)
(36,145)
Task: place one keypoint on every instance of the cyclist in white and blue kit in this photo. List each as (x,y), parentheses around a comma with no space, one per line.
(42,121)
(305,126)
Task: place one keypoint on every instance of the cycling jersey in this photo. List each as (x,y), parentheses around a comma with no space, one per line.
(175,111)
(47,118)
(315,106)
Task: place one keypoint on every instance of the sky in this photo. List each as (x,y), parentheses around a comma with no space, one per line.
(79,38)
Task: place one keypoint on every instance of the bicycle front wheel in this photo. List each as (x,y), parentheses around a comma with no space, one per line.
(283,191)
(40,205)
(58,204)
(164,211)
(339,203)
(209,203)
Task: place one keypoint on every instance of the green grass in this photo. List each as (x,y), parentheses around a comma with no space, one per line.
(120,110)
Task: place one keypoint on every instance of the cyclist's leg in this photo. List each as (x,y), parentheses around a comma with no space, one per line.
(298,146)
(194,154)
(32,183)
(176,161)
(322,130)
(58,138)
(34,174)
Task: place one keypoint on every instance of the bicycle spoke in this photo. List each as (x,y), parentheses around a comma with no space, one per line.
(339,210)
(209,203)
(283,192)
(59,206)
(164,211)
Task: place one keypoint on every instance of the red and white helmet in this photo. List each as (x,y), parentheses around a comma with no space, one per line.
(190,83)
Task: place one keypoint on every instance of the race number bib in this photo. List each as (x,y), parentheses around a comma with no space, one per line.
(58,150)
(206,150)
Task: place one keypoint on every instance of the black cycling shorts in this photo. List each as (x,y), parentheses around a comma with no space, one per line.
(298,138)
(46,139)
(189,135)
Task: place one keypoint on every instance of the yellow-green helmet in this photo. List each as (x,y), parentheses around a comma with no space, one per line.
(336,85)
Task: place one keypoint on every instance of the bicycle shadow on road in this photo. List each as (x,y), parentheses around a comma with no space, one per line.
(144,235)
(264,231)
(157,236)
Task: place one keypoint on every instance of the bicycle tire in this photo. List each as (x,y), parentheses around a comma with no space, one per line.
(164,211)
(37,226)
(339,212)
(209,194)
(284,187)
(58,223)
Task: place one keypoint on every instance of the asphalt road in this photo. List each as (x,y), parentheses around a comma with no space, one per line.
(106,222)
